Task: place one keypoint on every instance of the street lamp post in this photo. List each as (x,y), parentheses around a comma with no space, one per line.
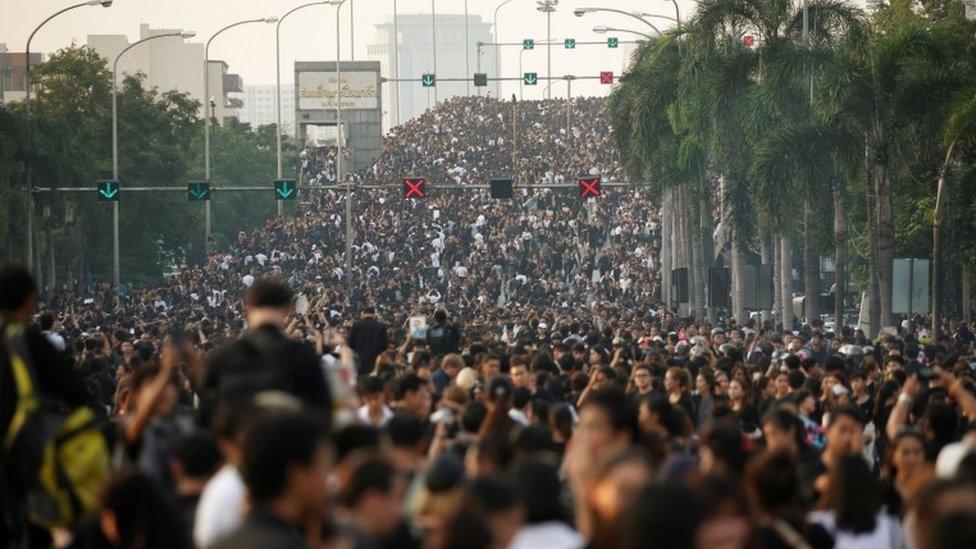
(547,7)
(396,60)
(433,43)
(467,53)
(115,141)
(498,55)
(281,209)
(206,100)
(27,107)
(338,100)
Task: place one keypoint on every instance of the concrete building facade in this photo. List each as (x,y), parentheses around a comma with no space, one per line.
(13,73)
(173,63)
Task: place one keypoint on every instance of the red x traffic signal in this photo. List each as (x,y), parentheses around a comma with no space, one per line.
(415,187)
(589,186)
(606,77)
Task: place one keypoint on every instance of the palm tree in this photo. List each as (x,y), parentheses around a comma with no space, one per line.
(648,132)
(883,84)
(783,64)
(960,129)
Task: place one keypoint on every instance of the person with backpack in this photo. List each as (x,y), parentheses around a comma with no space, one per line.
(264,359)
(41,418)
(443,337)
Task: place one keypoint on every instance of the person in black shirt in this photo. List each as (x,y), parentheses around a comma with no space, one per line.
(265,358)
(442,337)
(368,338)
(55,379)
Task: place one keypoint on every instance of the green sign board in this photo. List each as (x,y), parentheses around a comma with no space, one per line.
(285,189)
(198,190)
(528,44)
(480,79)
(108,190)
(429,80)
(613,42)
(570,43)
(530,78)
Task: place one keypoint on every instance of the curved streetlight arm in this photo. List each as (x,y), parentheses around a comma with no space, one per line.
(665,17)
(278,74)
(134,44)
(115,92)
(106,4)
(602,30)
(498,59)
(581,11)
(206,49)
(677,12)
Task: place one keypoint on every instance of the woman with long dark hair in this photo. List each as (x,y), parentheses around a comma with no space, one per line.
(852,510)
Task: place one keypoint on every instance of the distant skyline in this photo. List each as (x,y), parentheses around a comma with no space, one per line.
(308,35)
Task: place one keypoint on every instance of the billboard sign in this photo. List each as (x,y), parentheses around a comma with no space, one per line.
(317,90)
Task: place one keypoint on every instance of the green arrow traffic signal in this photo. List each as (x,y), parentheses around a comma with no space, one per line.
(570,43)
(530,78)
(428,80)
(528,44)
(284,189)
(198,190)
(108,190)
(613,42)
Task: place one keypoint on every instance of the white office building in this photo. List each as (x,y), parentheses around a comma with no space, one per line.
(416,59)
(261,103)
(173,63)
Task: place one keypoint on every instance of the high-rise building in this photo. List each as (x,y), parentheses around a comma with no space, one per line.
(416,59)
(13,73)
(174,64)
(261,104)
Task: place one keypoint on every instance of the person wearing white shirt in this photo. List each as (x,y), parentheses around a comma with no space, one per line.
(220,510)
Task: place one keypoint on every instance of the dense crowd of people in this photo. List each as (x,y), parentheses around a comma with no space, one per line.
(491,374)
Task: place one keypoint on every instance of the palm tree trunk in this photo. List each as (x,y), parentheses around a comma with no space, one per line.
(707,247)
(777,284)
(786,280)
(766,252)
(695,291)
(687,245)
(738,284)
(840,256)
(886,240)
(874,292)
(811,264)
(937,244)
(667,212)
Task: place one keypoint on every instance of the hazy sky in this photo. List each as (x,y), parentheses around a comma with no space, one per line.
(308,34)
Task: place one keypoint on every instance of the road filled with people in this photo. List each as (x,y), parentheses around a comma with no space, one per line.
(490,374)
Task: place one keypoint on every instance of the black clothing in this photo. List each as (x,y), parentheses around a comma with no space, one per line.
(262,531)
(56,381)
(815,535)
(260,361)
(368,338)
(443,339)
(56,377)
